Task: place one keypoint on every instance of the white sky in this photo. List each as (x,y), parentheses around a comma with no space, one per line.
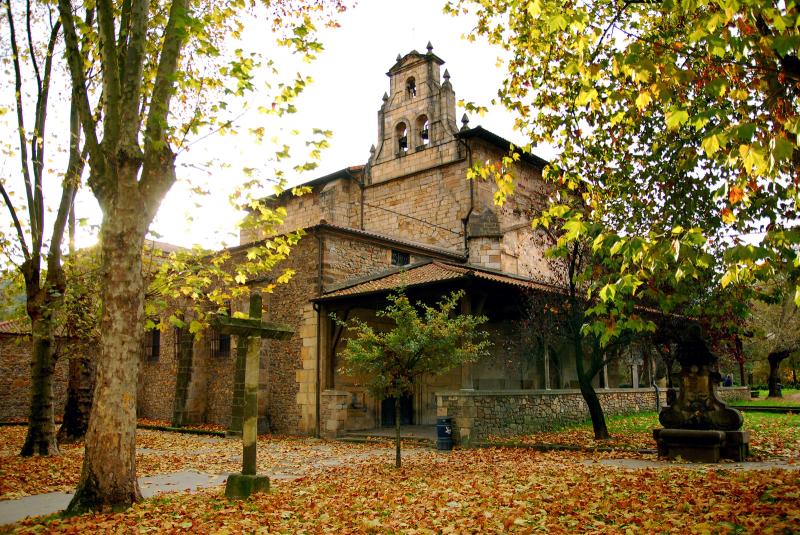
(349,81)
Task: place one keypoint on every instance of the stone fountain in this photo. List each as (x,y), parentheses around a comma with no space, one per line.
(699,426)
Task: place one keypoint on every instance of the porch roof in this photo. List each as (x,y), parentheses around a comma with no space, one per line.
(428,273)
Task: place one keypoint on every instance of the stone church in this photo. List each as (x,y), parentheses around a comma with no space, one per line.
(408,217)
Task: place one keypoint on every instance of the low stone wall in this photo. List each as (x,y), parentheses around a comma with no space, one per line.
(478,414)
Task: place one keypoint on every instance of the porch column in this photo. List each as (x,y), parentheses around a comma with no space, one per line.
(546,367)
(467,382)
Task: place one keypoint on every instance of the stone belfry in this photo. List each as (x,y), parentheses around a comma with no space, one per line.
(416,122)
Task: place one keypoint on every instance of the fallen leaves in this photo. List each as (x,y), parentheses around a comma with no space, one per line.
(471,491)
(159,452)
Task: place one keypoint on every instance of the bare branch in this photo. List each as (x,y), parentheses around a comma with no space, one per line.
(75,61)
(26,253)
(23,145)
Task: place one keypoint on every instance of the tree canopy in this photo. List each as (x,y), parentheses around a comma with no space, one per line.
(675,122)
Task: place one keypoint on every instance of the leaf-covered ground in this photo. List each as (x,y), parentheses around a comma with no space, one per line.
(163,452)
(772,435)
(477,491)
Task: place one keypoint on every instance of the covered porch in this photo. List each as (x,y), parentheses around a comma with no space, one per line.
(514,366)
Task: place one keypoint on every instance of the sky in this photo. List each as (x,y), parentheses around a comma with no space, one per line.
(349,81)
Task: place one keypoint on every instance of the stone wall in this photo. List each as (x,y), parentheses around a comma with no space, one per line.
(15,378)
(156,389)
(480,414)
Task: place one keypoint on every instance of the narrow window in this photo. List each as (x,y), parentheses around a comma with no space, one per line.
(151,345)
(220,342)
(411,87)
(424,130)
(401,132)
(400,258)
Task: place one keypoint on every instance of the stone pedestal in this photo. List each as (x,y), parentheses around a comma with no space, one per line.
(705,446)
(241,486)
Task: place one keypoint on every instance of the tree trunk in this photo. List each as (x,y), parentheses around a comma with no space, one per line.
(775,358)
(79,399)
(41,436)
(595,409)
(589,395)
(108,477)
(397,432)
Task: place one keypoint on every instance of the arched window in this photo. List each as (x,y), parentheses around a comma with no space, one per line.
(411,87)
(423,128)
(401,134)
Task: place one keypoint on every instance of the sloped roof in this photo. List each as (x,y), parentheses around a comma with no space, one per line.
(429,273)
(15,326)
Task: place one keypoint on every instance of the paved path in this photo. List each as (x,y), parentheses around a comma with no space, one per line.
(45,504)
(52,502)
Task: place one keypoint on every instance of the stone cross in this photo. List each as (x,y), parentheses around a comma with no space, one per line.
(249,331)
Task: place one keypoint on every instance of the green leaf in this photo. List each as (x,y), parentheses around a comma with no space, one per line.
(675,118)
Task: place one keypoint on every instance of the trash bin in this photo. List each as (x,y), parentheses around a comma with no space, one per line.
(444,433)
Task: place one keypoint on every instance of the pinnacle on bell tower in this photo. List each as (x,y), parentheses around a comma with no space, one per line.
(418,112)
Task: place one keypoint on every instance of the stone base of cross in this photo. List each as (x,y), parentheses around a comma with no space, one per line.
(249,331)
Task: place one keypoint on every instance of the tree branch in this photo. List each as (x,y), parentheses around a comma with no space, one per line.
(75,61)
(159,166)
(23,145)
(131,73)
(17,225)
(37,143)
(111,81)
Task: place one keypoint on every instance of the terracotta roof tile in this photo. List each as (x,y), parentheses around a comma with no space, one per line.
(15,326)
(429,273)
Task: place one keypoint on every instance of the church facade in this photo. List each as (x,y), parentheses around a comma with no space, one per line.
(408,217)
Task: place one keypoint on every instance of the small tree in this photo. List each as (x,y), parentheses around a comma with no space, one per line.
(430,343)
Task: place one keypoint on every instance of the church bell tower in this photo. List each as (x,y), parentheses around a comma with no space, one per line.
(417,118)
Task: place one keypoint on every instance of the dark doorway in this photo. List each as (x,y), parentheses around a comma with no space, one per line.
(406,411)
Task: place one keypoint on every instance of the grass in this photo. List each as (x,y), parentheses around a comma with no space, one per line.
(763,401)
(772,435)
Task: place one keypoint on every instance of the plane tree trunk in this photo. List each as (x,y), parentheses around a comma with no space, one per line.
(108,478)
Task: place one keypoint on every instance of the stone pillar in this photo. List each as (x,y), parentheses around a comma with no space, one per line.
(605,376)
(306,375)
(467,382)
(237,403)
(183,377)
(635,375)
(546,367)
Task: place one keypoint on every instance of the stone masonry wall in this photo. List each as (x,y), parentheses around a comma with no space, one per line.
(156,390)
(427,207)
(347,258)
(15,379)
(480,414)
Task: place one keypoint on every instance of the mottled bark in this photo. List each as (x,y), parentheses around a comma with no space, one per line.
(108,478)
(41,435)
(79,399)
